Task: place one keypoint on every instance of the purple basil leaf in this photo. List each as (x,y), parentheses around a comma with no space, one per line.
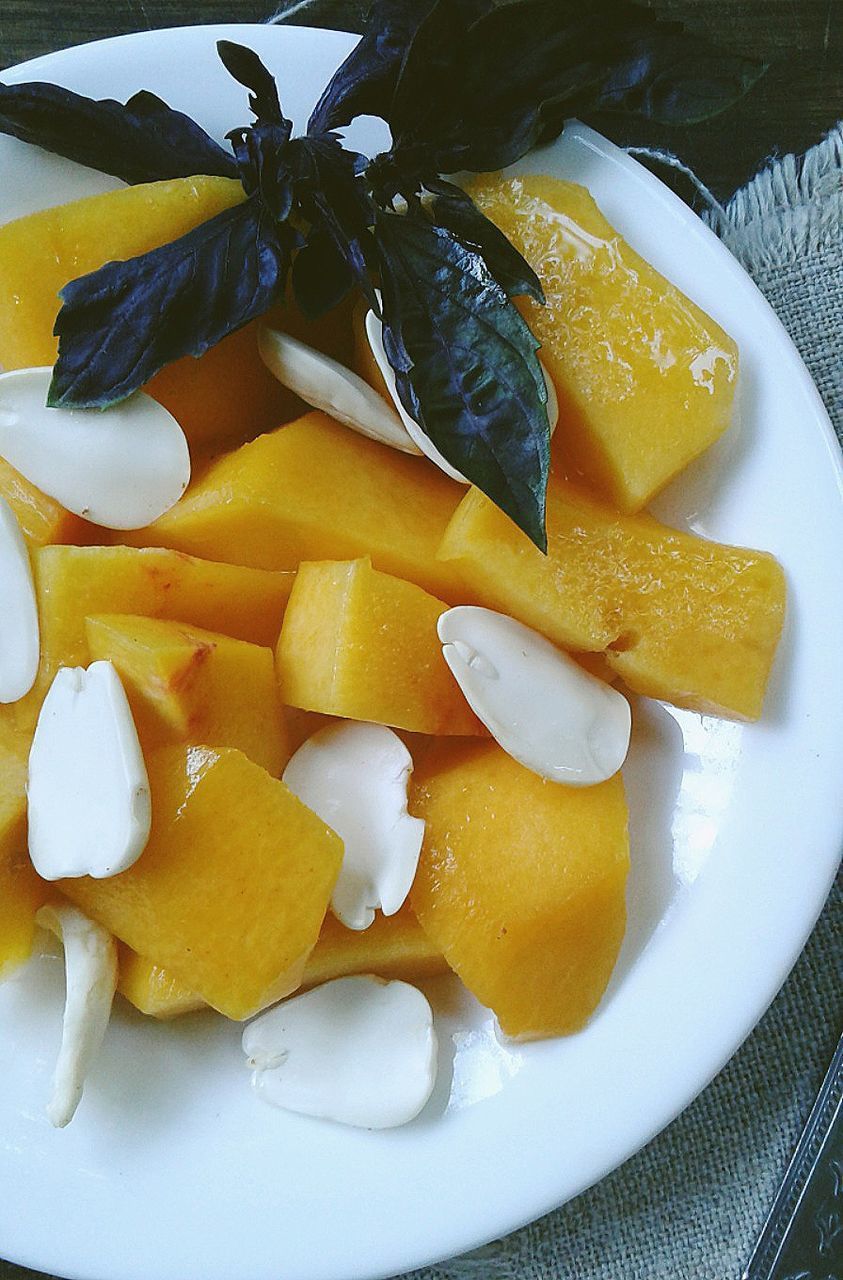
(143,141)
(320,276)
(454,210)
(670,78)
(365,83)
(122,324)
(246,67)
(465,365)
(335,201)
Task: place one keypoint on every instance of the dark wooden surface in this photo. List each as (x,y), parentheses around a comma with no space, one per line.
(798,100)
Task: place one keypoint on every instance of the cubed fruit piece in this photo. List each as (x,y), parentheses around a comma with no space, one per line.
(679,617)
(645,379)
(232,888)
(42,519)
(392,947)
(315,490)
(152,989)
(22,892)
(361,644)
(74,583)
(226,394)
(521,884)
(188,685)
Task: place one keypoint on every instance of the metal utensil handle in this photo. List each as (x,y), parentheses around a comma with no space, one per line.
(802,1238)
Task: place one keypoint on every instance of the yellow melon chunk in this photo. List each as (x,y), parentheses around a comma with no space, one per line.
(232,888)
(521,884)
(42,519)
(315,490)
(680,618)
(645,379)
(189,685)
(227,393)
(392,947)
(74,583)
(22,892)
(361,644)
(152,989)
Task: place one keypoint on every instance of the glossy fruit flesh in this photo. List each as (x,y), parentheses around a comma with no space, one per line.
(362,644)
(187,685)
(645,379)
(521,883)
(678,617)
(232,888)
(392,947)
(315,490)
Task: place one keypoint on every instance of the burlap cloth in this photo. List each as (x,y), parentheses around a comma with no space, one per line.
(688,1207)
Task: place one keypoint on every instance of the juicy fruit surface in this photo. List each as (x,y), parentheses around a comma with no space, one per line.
(42,519)
(362,644)
(187,685)
(152,989)
(521,884)
(314,490)
(214,397)
(645,378)
(232,888)
(679,618)
(22,892)
(74,583)
(392,947)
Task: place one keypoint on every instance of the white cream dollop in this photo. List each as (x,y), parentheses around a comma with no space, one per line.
(538,703)
(356,1050)
(374,337)
(355,776)
(90,961)
(121,467)
(328,385)
(20,645)
(89,804)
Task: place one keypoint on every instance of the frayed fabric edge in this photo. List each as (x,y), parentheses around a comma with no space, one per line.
(792,207)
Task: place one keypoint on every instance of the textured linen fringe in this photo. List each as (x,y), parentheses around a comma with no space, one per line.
(793,207)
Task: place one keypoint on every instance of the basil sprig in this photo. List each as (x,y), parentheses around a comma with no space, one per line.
(463,84)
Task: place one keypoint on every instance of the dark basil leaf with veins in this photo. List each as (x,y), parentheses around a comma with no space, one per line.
(474,85)
(365,83)
(334,202)
(465,365)
(246,67)
(454,209)
(143,141)
(120,325)
(675,80)
(320,276)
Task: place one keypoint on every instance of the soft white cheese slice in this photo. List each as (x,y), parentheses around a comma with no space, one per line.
(328,385)
(121,467)
(374,336)
(90,961)
(19,634)
(89,802)
(356,1050)
(536,701)
(355,776)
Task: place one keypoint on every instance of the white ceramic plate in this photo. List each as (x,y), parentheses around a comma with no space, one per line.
(172,1169)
